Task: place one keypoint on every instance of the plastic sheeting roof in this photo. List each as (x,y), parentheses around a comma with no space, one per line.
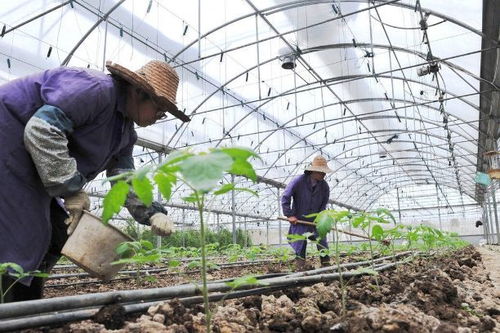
(355,95)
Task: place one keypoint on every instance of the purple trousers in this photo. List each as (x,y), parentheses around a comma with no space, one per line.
(300,246)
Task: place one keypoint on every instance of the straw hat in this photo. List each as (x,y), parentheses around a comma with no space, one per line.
(319,164)
(158,79)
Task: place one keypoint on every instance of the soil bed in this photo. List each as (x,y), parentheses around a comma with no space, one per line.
(445,293)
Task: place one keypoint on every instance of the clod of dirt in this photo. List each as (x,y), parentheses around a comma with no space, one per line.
(277,313)
(111,316)
(235,319)
(389,318)
(145,324)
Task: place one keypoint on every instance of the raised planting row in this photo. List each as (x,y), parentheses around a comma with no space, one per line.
(62,309)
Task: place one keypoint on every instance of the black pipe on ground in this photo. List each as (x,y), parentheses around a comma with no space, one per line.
(36,313)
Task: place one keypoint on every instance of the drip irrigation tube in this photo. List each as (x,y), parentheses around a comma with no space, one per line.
(348,265)
(29,317)
(156,270)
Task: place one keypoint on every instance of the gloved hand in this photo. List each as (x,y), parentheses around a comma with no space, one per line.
(75,205)
(161,224)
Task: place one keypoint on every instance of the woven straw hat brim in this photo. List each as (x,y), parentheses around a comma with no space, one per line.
(319,169)
(138,81)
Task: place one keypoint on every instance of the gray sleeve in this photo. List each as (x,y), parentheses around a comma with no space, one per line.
(45,138)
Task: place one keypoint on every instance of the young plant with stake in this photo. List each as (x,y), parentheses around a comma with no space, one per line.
(201,173)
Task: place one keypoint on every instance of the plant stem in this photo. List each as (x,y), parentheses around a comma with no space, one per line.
(341,279)
(371,249)
(200,205)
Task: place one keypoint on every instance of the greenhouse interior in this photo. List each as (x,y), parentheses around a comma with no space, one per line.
(363,132)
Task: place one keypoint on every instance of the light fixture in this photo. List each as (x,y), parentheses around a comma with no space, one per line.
(287,58)
(433,67)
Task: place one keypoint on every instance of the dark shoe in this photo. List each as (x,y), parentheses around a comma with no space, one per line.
(325,261)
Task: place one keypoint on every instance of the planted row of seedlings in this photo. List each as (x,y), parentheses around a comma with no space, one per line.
(334,301)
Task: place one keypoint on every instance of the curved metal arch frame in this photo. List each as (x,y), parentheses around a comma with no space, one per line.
(356,147)
(388,166)
(401,151)
(325,127)
(308,156)
(221,88)
(376,195)
(417,173)
(350,118)
(302,3)
(321,84)
(409,182)
(331,82)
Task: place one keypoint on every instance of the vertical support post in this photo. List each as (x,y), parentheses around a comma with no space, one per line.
(494,198)
(486,221)
(490,218)
(233,211)
(245,232)
(104,46)
(183,227)
(267,233)
(218,221)
(279,221)
(439,208)
(399,206)
(158,238)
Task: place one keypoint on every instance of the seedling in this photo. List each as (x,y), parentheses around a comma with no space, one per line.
(16,271)
(201,173)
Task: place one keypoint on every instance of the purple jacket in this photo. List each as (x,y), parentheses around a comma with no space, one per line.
(100,137)
(305,199)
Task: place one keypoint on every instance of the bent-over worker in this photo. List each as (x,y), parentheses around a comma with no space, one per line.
(58,129)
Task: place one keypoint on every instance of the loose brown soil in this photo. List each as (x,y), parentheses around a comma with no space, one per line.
(445,293)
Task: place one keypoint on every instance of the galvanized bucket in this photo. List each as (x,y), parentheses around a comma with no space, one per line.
(92,246)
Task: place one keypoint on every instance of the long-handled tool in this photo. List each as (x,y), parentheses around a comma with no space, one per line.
(284,218)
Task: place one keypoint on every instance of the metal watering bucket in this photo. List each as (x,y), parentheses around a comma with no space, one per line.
(92,246)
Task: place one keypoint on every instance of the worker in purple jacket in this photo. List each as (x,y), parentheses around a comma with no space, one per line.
(58,130)
(310,194)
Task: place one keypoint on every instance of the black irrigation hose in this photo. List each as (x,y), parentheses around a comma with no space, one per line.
(156,270)
(166,260)
(71,302)
(36,318)
(348,265)
(62,285)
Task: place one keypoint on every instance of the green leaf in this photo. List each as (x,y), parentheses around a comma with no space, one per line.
(114,200)
(4,267)
(142,172)
(377,232)
(385,211)
(165,183)
(175,157)
(174,263)
(144,190)
(194,264)
(295,238)
(224,189)
(358,220)
(204,171)
(123,175)
(324,223)
(192,198)
(243,168)
(147,245)
(240,157)
(249,280)
(123,250)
